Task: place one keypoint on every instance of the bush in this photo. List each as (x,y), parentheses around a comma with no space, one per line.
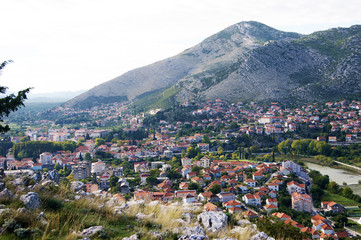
(10,225)
(53,204)
(23,232)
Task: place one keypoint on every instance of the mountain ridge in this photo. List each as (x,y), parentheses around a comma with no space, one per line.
(246,61)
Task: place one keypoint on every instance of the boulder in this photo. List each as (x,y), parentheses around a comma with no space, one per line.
(37,176)
(144,216)
(6,195)
(2,186)
(225,238)
(133,237)
(193,233)
(213,221)
(18,182)
(42,219)
(5,210)
(47,183)
(243,222)
(261,236)
(54,176)
(23,211)
(88,232)
(77,186)
(31,200)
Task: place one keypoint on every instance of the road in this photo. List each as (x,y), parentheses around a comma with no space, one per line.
(357,168)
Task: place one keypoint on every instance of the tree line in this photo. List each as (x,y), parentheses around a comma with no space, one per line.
(32,149)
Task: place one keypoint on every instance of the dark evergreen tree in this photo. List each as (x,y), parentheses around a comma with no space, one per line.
(10,103)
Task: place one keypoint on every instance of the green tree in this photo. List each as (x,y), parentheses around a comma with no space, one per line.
(216,188)
(10,103)
(154,172)
(347,192)
(25,139)
(196,169)
(172,174)
(333,187)
(193,186)
(57,167)
(151,180)
(220,150)
(205,139)
(233,125)
(99,141)
(87,156)
(113,181)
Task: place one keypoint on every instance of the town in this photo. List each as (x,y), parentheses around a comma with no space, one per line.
(223,157)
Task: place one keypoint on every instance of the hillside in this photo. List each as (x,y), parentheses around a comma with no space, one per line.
(246,61)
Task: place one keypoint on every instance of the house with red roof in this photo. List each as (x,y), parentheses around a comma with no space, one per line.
(295,187)
(252,199)
(331,206)
(281,216)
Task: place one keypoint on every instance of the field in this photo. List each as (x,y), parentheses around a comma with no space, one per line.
(339,199)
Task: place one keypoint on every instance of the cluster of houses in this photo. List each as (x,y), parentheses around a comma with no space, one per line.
(342,116)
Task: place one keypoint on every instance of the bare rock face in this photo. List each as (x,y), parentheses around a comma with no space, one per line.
(31,200)
(194,233)
(261,236)
(92,231)
(133,237)
(6,195)
(213,221)
(2,186)
(77,186)
(52,175)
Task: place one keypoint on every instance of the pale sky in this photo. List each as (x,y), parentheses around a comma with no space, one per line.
(69,45)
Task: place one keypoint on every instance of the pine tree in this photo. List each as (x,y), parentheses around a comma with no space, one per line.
(10,103)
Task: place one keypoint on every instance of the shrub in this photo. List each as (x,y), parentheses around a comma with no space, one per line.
(23,232)
(10,225)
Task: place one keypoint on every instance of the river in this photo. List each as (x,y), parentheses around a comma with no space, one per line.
(338,175)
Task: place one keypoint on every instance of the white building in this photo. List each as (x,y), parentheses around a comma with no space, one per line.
(186,161)
(98,168)
(205,162)
(45,158)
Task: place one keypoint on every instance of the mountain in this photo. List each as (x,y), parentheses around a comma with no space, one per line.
(246,61)
(53,96)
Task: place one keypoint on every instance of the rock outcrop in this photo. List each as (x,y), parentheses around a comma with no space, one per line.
(6,195)
(31,200)
(88,232)
(213,221)
(77,186)
(191,233)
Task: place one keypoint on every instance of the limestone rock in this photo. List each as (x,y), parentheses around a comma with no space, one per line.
(88,232)
(77,186)
(194,233)
(243,222)
(133,237)
(37,176)
(144,216)
(23,211)
(5,210)
(51,175)
(261,236)
(6,195)
(213,221)
(31,200)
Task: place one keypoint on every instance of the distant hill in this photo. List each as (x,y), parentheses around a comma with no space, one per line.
(246,61)
(53,96)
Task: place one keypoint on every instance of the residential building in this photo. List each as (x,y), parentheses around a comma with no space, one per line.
(301,202)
